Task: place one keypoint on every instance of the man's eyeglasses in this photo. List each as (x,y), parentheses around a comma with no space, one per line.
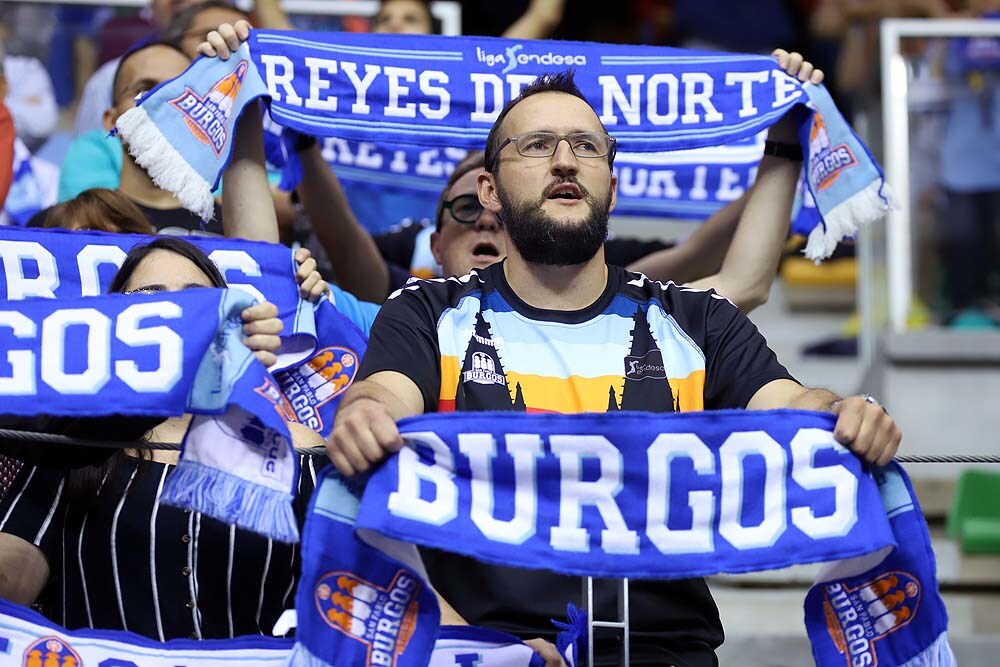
(544,144)
(464,208)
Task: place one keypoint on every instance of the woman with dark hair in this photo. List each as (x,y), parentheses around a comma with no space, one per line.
(94,547)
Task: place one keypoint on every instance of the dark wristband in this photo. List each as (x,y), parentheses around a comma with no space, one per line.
(304,142)
(783,150)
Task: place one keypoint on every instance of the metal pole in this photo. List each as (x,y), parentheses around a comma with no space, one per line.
(623,623)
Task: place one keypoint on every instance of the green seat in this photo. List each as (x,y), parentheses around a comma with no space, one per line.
(974,519)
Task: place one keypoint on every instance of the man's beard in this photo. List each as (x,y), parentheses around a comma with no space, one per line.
(543,239)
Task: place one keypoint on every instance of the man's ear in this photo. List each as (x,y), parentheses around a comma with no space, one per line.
(109,117)
(487,192)
(614,192)
(436,248)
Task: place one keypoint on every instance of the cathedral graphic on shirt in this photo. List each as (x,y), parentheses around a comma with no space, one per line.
(484,384)
(646,385)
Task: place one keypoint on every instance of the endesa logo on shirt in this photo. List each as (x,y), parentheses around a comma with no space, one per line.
(381,618)
(858,617)
(206,116)
(50,652)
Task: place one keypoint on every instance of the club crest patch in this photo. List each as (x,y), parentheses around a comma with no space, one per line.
(826,162)
(857,618)
(318,381)
(381,618)
(50,652)
(207,116)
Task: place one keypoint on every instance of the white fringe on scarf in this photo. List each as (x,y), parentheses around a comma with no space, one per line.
(164,164)
(843,221)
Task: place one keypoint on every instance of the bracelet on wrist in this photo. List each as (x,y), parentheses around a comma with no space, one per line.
(784,150)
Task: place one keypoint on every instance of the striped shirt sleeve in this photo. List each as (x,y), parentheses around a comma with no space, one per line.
(31,507)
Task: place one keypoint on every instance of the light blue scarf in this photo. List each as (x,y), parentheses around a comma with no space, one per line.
(447,91)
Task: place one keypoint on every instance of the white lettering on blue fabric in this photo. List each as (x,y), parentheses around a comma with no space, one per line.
(92,367)
(725,498)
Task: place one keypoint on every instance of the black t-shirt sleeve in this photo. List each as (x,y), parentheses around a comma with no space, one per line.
(738,361)
(404,339)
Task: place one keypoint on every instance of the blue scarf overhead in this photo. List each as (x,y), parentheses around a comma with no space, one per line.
(320,346)
(446,91)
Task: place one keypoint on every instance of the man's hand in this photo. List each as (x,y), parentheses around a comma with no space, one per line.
(866,429)
(363,434)
(224,41)
(862,426)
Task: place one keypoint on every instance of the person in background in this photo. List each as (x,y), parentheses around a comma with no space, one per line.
(97,93)
(26,88)
(8,133)
(139,72)
(168,573)
(414,17)
(100,210)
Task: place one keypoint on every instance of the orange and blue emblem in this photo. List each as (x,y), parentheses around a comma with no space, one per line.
(383,619)
(857,618)
(50,652)
(206,116)
(826,162)
(321,379)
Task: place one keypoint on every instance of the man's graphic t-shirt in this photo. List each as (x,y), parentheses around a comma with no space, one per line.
(472,344)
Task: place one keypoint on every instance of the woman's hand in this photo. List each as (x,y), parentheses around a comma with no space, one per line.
(261,328)
(226,40)
(312,287)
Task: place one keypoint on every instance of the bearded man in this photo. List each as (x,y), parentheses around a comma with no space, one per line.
(553,328)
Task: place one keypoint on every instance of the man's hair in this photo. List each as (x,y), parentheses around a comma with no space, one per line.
(474,160)
(560,82)
(175,32)
(102,210)
(178,246)
(131,52)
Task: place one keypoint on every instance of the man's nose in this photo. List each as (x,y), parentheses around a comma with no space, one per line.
(564,160)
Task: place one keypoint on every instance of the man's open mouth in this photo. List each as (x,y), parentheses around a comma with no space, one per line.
(485,249)
(569,191)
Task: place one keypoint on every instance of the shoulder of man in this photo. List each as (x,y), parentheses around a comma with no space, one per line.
(442,292)
(669,294)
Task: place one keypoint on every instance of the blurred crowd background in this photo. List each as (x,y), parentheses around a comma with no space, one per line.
(51,52)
